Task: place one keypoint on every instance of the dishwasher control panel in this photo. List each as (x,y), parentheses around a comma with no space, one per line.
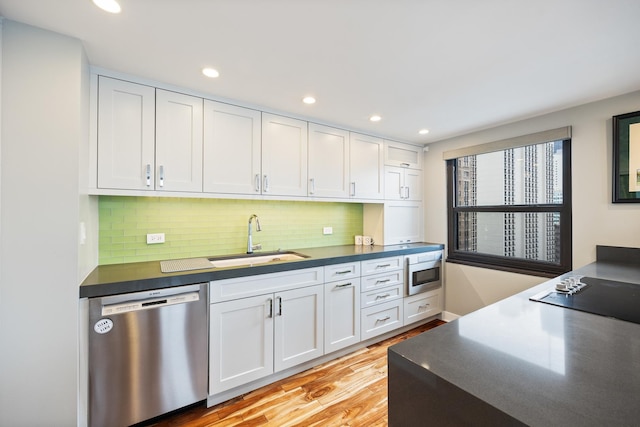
(128,306)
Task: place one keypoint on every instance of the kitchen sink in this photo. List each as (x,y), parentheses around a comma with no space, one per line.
(254,259)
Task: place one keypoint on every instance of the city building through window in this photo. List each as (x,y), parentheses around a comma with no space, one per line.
(509,204)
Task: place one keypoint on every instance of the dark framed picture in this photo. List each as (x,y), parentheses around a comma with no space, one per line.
(626,158)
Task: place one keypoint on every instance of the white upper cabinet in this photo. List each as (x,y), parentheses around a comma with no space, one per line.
(126,135)
(284,156)
(402,183)
(402,155)
(366,167)
(328,162)
(232,151)
(178,142)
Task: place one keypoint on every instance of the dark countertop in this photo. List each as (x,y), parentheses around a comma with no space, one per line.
(523,362)
(142,276)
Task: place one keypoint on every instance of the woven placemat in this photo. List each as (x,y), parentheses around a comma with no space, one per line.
(173,265)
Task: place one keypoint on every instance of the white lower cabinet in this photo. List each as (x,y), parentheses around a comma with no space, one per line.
(381,318)
(341,314)
(252,336)
(241,344)
(299,326)
(257,336)
(420,306)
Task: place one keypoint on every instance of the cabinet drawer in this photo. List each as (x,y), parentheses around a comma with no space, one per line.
(384,280)
(380,296)
(343,271)
(243,287)
(381,318)
(380,265)
(421,306)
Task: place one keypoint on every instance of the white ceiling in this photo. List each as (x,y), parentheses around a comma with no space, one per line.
(452,66)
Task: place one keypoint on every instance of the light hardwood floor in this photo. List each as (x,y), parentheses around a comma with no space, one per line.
(349,391)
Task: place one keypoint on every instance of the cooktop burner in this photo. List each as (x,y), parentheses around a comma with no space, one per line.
(619,300)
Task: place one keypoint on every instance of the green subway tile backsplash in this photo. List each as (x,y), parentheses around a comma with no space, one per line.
(206,227)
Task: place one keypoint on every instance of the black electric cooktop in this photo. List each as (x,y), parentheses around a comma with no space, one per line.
(619,300)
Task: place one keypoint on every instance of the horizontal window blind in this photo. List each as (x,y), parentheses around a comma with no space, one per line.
(558,134)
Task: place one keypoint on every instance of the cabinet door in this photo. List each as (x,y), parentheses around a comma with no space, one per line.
(328,161)
(393,183)
(402,155)
(413,184)
(126,135)
(299,324)
(402,222)
(341,314)
(231,149)
(241,342)
(178,142)
(366,167)
(284,156)
(402,183)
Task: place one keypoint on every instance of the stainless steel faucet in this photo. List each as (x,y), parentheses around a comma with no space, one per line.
(250,246)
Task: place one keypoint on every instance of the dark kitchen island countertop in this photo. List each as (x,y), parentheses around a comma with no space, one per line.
(522,362)
(143,276)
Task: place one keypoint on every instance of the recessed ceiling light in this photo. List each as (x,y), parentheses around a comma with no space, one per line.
(423,131)
(210,72)
(309,100)
(375,118)
(110,6)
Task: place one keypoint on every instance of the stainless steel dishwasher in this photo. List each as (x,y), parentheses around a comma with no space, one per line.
(148,354)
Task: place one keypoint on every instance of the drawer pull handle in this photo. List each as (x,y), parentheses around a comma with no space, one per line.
(344,285)
(343,272)
(383,296)
(270,300)
(384,319)
(383,281)
(423,306)
(383,265)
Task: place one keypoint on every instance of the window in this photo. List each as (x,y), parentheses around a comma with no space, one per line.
(509,204)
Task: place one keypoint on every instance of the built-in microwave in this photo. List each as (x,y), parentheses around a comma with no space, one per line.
(423,272)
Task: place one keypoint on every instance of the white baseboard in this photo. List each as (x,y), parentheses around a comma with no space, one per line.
(447,316)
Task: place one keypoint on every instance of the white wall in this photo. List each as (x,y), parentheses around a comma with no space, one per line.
(44,120)
(596,221)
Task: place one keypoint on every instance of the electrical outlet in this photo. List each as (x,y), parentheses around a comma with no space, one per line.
(327,230)
(152,239)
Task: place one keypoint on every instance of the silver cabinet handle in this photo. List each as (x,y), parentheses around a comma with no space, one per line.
(343,272)
(256,182)
(383,281)
(384,319)
(344,285)
(161,176)
(407,196)
(312,181)
(265,184)
(353,189)
(383,265)
(425,306)
(279,306)
(148,175)
(270,301)
(382,296)
(405,165)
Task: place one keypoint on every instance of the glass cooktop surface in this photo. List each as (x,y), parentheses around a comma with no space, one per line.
(619,300)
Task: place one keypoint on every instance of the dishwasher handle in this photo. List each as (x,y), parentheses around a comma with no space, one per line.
(150,303)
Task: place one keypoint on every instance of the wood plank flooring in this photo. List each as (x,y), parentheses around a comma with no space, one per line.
(349,391)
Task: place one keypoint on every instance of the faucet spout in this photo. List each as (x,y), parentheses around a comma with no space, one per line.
(250,246)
